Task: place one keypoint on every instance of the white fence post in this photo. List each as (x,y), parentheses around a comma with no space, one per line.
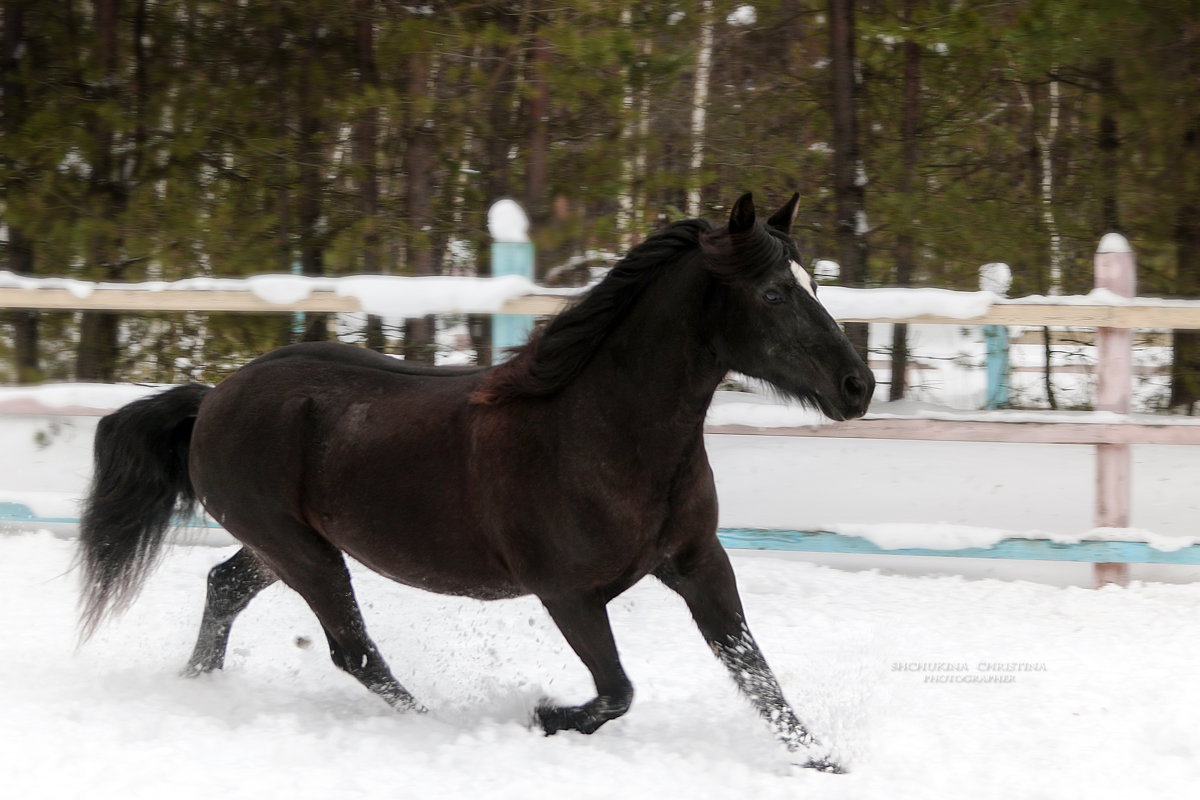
(1116,272)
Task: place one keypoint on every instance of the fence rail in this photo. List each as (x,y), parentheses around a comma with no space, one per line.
(1149,313)
(982,430)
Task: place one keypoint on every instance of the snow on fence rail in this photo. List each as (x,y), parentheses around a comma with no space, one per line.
(399,296)
(1111,309)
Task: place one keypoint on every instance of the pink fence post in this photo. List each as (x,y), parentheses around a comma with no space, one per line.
(1116,272)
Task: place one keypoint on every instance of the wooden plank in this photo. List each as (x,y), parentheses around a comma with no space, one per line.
(170,300)
(1023,549)
(111,299)
(951,430)
(1183,316)
(1035,314)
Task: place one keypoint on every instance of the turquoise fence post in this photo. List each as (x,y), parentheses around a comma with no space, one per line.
(512,254)
(996,278)
(297,317)
(996,338)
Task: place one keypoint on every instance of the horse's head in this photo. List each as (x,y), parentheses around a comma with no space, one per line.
(767,321)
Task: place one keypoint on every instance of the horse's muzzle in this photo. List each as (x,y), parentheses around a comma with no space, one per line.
(857,392)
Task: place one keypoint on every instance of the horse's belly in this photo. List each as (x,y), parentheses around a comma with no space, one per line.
(447,582)
(443,556)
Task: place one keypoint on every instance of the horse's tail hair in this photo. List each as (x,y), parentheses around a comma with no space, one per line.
(140,481)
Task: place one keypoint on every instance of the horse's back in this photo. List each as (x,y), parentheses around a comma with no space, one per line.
(350,356)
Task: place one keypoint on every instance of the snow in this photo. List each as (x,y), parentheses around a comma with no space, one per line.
(944,536)
(418,296)
(927,687)
(80,289)
(927,684)
(845,303)
(384,295)
(71,398)
(825,270)
(1096,297)
(742,17)
(280,289)
(996,278)
(1114,243)
(507,221)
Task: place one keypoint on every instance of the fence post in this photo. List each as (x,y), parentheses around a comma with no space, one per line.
(1116,272)
(512,254)
(996,278)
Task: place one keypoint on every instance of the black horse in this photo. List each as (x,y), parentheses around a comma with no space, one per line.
(569,472)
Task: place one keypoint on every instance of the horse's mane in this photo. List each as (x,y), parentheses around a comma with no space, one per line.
(558,352)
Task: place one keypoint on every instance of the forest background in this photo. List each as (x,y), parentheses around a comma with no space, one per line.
(165,139)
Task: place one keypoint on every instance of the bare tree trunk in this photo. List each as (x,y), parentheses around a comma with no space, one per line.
(635,129)
(537,110)
(1109,144)
(308,204)
(906,241)
(366,134)
(13,48)
(1185,362)
(498,140)
(848,179)
(419,339)
(97,352)
(1041,178)
(25,323)
(700,104)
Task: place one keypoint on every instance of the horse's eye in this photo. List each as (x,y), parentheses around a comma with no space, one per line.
(773,296)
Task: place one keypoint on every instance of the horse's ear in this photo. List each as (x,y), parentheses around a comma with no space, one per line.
(741,218)
(782,219)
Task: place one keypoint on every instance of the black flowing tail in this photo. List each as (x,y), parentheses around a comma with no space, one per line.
(140,481)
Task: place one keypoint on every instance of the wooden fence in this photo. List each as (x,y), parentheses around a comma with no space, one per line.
(1113,318)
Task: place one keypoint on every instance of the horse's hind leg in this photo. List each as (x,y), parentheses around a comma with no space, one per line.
(705,580)
(232,585)
(584,624)
(317,571)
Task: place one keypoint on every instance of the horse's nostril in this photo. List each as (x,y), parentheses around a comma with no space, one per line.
(854,388)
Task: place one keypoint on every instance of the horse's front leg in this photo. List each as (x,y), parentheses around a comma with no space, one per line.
(704,578)
(584,623)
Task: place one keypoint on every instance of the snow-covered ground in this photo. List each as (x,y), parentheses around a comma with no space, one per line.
(934,687)
(928,684)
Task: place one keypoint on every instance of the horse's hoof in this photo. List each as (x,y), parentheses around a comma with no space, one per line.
(584,719)
(412,708)
(550,718)
(825,765)
(195,671)
(407,704)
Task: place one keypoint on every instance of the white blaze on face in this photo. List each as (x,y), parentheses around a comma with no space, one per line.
(804,279)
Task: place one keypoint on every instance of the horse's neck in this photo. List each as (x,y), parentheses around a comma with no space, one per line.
(653,372)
